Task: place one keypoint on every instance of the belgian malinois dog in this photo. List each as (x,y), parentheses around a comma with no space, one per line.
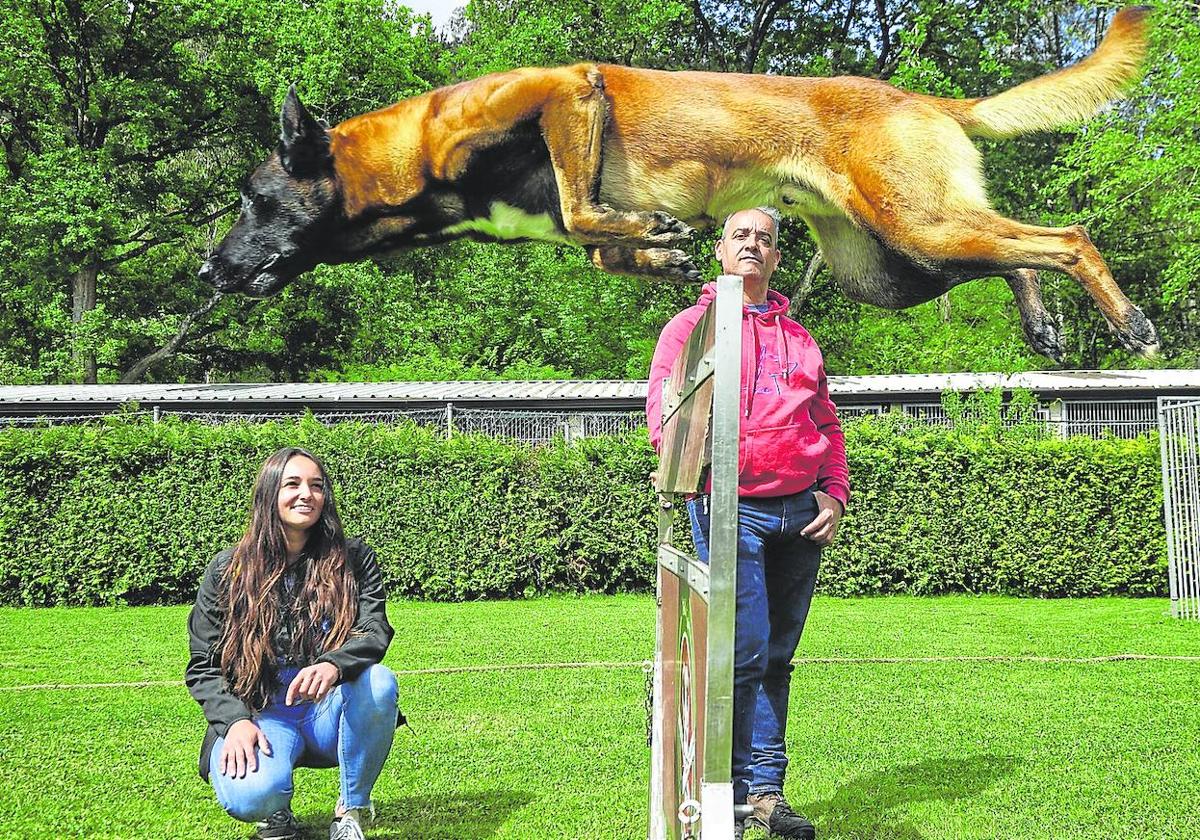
(626,162)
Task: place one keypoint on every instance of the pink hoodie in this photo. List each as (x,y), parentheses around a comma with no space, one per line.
(790,436)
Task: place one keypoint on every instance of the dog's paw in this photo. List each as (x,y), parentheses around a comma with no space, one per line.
(672,265)
(665,229)
(1137,335)
(1043,338)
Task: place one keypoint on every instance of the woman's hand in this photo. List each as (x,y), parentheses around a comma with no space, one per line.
(312,683)
(237,755)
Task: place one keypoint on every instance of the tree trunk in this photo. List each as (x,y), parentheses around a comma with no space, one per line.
(801,292)
(83,301)
(139,368)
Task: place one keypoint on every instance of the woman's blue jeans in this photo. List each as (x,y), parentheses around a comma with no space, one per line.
(776,573)
(351,728)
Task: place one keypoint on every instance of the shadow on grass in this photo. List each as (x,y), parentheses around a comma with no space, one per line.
(473,815)
(862,808)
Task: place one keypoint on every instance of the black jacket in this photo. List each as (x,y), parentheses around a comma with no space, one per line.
(369,639)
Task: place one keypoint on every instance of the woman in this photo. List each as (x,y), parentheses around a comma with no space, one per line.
(286,637)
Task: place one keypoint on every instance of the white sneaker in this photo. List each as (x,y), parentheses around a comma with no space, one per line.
(345,828)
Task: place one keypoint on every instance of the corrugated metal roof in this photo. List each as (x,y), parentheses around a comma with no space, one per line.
(304,393)
(1046,383)
(1114,384)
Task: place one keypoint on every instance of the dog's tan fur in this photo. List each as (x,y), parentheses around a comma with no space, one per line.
(887,181)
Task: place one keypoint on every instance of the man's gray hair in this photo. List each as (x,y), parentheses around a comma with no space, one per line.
(770,212)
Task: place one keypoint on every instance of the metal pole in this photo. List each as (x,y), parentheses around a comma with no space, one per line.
(1056,419)
(717,790)
(1188,483)
(1165,452)
(1182,511)
(449,420)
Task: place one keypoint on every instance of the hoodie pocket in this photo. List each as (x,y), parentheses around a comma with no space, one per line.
(780,453)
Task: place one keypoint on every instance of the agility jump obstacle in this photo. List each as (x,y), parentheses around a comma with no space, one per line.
(691,788)
(1179,442)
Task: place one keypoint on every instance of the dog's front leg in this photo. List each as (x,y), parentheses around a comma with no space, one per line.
(573,125)
(661,263)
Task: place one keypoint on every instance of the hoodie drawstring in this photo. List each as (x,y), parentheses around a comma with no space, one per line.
(781,339)
(752,382)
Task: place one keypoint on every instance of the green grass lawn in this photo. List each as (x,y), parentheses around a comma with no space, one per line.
(1001,747)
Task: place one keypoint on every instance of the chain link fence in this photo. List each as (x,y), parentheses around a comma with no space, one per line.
(1093,418)
(1077,418)
(528,426)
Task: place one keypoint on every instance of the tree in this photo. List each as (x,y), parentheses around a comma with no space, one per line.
(113,133)
(125,128)
(474,311)
(502,34)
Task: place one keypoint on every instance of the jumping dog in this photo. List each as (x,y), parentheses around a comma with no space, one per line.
(626,162)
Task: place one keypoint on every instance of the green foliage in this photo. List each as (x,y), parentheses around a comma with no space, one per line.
(130,512)
(503,34)
(987,415)
(980,508)
(473,311)
(125,130)
(977,328)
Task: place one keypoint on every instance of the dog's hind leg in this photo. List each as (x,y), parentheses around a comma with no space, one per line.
(870,271)
(918,184)
(1040,329)
(662,263)
(986,243)
(573,123)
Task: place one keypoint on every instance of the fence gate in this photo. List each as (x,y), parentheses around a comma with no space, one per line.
(1179,440)
(691,788)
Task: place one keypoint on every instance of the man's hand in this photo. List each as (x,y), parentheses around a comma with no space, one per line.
(237,755)
(823,528)
(312,683)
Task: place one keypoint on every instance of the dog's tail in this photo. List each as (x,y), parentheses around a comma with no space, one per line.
(1067,96)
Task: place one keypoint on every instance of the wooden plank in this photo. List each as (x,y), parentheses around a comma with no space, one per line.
(687,407)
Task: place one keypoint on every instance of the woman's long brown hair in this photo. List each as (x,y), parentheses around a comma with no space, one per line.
(325,605)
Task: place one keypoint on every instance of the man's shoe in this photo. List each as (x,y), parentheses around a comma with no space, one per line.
(772,812)
(282,825)
(345,828)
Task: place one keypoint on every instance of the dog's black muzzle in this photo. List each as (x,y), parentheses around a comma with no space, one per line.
(216,272)
(261,281)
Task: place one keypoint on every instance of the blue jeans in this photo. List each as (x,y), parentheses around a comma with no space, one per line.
(351,728)
(776,573)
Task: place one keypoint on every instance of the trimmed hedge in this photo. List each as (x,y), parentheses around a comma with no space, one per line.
(131,511)
(989,510)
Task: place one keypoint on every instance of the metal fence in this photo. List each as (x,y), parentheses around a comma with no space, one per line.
(1075,418)
(1118,418)
(1179,440)
(1091,418)
(528,426)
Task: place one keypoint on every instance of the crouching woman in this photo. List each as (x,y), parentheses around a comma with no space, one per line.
(286,637)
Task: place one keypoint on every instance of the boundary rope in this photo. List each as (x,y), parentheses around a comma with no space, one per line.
(562,666)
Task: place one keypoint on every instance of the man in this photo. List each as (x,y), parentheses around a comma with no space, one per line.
(793,486)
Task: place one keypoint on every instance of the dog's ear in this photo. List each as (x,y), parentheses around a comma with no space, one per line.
(303,142)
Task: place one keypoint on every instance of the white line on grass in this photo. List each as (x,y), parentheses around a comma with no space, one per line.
(551,666)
